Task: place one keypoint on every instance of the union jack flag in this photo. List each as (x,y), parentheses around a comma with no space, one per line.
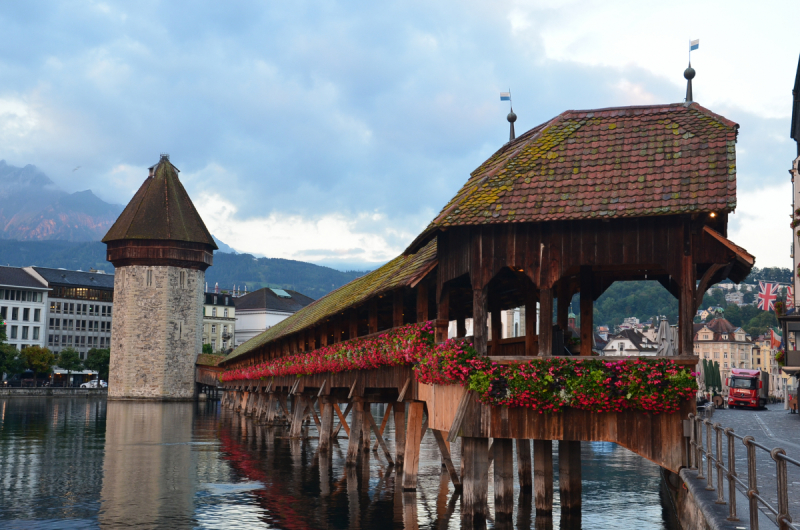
(790,297)
(767,296)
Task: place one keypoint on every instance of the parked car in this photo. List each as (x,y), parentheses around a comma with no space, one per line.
(95,383)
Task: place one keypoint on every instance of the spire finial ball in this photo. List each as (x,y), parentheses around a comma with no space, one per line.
(511,117)
(689,73)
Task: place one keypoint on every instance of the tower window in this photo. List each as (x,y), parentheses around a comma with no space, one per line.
(149,278)
(183,279)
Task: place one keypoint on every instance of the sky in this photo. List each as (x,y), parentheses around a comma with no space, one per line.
(333,132)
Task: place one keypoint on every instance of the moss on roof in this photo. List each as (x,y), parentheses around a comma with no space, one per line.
(209,359)
(400,272)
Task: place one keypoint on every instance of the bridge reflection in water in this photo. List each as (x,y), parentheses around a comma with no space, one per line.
(78,463)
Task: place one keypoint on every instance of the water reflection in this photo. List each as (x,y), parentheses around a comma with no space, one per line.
(82,463)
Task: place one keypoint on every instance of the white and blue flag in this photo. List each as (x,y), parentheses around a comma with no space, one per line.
(505,96)
(693,45)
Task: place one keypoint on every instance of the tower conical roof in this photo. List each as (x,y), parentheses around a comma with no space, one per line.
(162,210)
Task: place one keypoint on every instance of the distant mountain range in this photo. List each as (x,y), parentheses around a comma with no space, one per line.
(33,209)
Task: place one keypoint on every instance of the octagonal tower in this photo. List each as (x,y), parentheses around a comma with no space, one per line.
(160,248)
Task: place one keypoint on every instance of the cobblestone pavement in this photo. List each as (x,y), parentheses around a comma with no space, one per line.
(773,427)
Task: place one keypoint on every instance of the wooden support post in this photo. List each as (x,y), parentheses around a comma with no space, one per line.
(587,309)
(337,329)
(355,440)
(413,441)
(366,440)
(323,335)
(543,476)
(383,424)
(569,475)
(531,337)
(298,410)
(353,324)
(443,315)
(397,308)
(545,322)
(327,424)
(503,449)
(371,422)
(562,311)
(524,465)
(399,432)
(270,411)
(497,331)
(373,315)
(342,419)
(461,326)
(444,449)
(686,307)
(479,310)
(475,480)
(422,302)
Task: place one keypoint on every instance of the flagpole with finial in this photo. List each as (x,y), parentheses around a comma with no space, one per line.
(689,73)
(506,96)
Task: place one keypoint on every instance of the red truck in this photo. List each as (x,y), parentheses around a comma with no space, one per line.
(747,388)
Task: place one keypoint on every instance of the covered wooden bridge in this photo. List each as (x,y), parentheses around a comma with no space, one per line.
(573,205)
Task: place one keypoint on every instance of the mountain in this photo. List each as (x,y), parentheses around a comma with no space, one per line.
(33,209)
(228,270)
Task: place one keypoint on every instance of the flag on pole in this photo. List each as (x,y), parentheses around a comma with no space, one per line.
(774,340)
(790,297)
(505,96)
(767,296)
(693,45)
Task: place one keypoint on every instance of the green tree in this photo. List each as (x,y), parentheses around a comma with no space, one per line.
(97,359)
(69,360)
(10,361)
(207,348)
(749,297)
(38,360)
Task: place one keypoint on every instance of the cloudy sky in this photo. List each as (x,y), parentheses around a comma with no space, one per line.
(333,132)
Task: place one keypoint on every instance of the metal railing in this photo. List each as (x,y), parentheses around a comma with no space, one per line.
(714,459)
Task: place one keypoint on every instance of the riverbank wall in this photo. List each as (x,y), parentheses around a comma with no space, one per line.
(52,392)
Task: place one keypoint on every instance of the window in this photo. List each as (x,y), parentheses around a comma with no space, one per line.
(226,313)
(37,315)
(149,278)
(716,355)
(182,279)
(58,307)
(620,346)
(213,311)
(109,311)
(13,332)
(103,310)
(50,340)
(14,313)
(83,325)
(26,314)
(725,355)
(83,341)
(96,325)
(102,342)
(36,333)
(4,312)
(726,365)
(213,328)
(24,332)
(82,356)
(83,312)
(214,344)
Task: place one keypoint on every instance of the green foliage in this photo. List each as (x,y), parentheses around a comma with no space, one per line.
(10,361)
(775,274)
(69,360)
(642,300)
(3,336)
(38,360)
(97,359)
(207,348)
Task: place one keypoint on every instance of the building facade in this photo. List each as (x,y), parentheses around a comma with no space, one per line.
(629,342)
(720,341)
(79,309)
(219,321)
(262,309)
(23,307)
(161,249)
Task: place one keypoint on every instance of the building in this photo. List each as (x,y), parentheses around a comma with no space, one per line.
(23,307)
(161,249)
(766,347)
(735,297)
(719,340)
(219,321)
(79,309)
(630,342)
(262,309)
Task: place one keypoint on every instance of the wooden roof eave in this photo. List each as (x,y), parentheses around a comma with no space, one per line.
(741,262)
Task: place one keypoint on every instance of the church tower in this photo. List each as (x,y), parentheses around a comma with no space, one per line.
(160,248)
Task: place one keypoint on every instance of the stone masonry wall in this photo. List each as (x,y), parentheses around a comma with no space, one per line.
(156,333)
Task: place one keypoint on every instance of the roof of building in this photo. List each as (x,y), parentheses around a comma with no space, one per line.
(605,163)
(209,359)
(161,209)
(267,299)
(223,299)
(720,328)
(76,278)
(18,277)
(400,272)
(636,338)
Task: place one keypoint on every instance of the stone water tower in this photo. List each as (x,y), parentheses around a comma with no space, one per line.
(161,249)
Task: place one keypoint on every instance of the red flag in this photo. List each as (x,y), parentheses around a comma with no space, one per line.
(790,297)
(767,296)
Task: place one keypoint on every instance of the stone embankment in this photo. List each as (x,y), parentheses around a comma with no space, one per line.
(52,392)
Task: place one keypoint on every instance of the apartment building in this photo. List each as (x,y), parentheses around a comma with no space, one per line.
(219,321)
(23,307)
(719,340)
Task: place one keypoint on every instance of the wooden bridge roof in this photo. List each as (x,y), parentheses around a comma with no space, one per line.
(601,164)
(400,272)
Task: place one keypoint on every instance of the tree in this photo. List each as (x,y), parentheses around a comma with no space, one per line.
(749,297)
(38,360)
(10,361)
(97,360)
(207,348)
(69,360)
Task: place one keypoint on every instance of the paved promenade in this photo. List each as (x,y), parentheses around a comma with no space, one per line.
(773,427)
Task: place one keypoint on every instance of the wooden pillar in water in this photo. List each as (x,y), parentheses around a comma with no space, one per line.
(327,424)
(503,477)
(569,475)
(524,465)
(413,441)
(546,322)
(399,433)
(587,310)
(479,313)
(543,476)
(365,430)
(356,425)
(476,470)
(297,416)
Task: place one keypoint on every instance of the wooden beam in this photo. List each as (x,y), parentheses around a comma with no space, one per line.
(399,432)
(562,310)
(543,476)
(503,449)
(384,421)
(545,322)
(479,314)
(497,331)
(397,308)
(403,390)
(422,302)
(444,449)
(373,315)
(298,410)
(371,422)
(353,323)
(337,329)
(413,441)
(531,320)
(476,474)
(686,307)
(355,440)
(342,418)
(569,475)
(461,326)
(524,465)
(326,431)
(323,334)
(705,283)
(442,315)
(587,311)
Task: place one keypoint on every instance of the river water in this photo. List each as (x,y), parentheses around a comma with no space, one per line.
(87,463)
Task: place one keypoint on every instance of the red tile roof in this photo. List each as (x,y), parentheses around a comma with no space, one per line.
(616,162)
